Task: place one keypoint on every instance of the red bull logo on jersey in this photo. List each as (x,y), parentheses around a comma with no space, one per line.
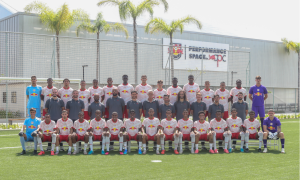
(271,128)
(222,97)
(234,126)
(34,94)
(143,91)
(66,95)
(218,128)
(177,51)
(174,94)
(169,127)
(47,131)
(191,91)
(151,126)
(80,129)
(114,129)
(201,130)
(31,127)
(125,91)
(159,97)
(251,128)
(132,128)
(64,128)
(109,93)
(258,94)
(97,128)
(207,97)
(185,127)
(81,97)
(49,95)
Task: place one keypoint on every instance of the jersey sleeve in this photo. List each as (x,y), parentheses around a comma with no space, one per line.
(246,105)
(278,123)
(137,88)
(27,91)
(251,90)
(168,91)
(225,125)
(189,106)
(144,122)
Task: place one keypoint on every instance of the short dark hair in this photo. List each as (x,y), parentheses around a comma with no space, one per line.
(132,110)
(190,75)
(47,114)
(216,95)
(144,76)
(82,80)
(257,77)
(160,81)
(33,76)
(271,110)
(125,75)
(251,112)
(133,92)
(218,111)
(222,82)
(166,95)
(32,109)
(238,80)
(240,93)
(95,80)
(233,109)
(66,79)
(201,112)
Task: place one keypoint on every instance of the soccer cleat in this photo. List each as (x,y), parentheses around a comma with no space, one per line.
(230,150)
(226,151)
(157,152)
(69,152)
(211,151)
(197,151)
(246,150)
(163,152)
(74,153)
(145,151)
(57,152)
(102,152)
(259,150)
(91,152)
(35,152)
(242,150)
(125,151)
(282,150)
(216,151)
(140,151)
(23,152)
(52,153)
(176,152)
(265,150)
(121,153)
(107,153)
(84,152)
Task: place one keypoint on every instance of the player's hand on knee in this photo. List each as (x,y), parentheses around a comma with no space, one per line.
(121,134)
(161,135)
(34,133)
(21,133)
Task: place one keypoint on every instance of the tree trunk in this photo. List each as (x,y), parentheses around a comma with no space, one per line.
(135,52)
(172,57)
(57,54)
(97,60)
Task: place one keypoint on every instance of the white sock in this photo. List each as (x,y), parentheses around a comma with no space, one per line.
(91,142)
(157,147)
(193,145)
(162,143)
(246,139)
(57,149)
(242,139)
(40,143)
(196,146)
(53,141)
(125,145)
(103,143)
(121,143)
(226,141)
(260,138)
(140,145)
(144,146)
(70,148)
(210,145)
(74,145)
(215,144)
(85,145)
(107,141)
(176,142)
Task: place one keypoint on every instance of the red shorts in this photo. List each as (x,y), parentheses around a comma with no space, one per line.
(203,137)
(252,136)
(125,114)
(186,137)
(97,137)
(132,137)
(106,115)
(169,137)
(46,138)
(44,112)
(225,116)
(63,138)
(150,138)
(80,138)
(235,135)
(114,137)
(86,115)
(206,114)
(219,136)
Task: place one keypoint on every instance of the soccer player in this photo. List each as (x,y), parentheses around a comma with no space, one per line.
(47,93)
(64,126)
(125,90)
(258,94)
(115,104)
(134,129)
(33,93)
(235,125)
(80,133)
(107,93)
(65,93)
(169,126)
(150,103)
(96,129)
(207,96)
(166,106)
(160,92)
(220,127)
(74,106)
(198,106)
(203,132)
(173,90)
(142,89)
(84,95)
(135,105)
(181,104)
(96,105)
(31,124)
(224,98)
(213,108)
(241,107)
(46,133)
(151,126)
(253,131)
(185,125)
(272,130)
(115,133)
(191,89)
(234,92)
(95,89)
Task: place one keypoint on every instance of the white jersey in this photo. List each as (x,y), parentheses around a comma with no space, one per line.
(159,95)
(84,95)
(132,127)
(94,91)
(202,128)
(64,126)
(173,93)
(191,91)
(218,126)
(46,128)
(251,126)
(151,126)
(207,97)
(185,126)
(169,126)
(224,95)
(125,92)
(107,91)
(142,91)
(81,127)
(234,93)
(97,126)
(234,124)
(47,93)
(114,127)
(65,94)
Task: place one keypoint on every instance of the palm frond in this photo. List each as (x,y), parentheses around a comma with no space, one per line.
(85,26)
(108,2)
(158,25)
(146,5)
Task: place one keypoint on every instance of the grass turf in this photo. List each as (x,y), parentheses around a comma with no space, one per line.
(252,165)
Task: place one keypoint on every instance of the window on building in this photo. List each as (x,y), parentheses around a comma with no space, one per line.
(14,97)
(4,97)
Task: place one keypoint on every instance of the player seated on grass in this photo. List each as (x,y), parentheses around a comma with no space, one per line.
(235,126)
(64,131)
(95,131)
(31,124)
(47,133)
(220,127)
(272,130)
(116,132)
(185,126)
(80,133)
(252,127)
(203,132)
(169,127)
(151,126)
(134,129)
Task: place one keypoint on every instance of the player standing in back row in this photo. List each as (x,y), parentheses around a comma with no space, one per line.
(107,93)
(125,90)
(33,93)
(84,95)
(207,96)
(65,93)
(142,89)
(173,90)
(95,89)
(224,98)
(47,93)
(191,89)
(159,93)
(234,92)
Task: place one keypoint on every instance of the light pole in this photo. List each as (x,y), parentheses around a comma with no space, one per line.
(83,66)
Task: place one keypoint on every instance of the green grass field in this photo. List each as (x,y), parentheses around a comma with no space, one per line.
(252,165)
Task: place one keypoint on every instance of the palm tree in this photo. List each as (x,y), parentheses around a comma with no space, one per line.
(100,25)
(158,25)
(57,21)
(294,46)
(128,10)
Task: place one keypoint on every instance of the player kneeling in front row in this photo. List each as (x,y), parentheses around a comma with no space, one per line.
(220,127)
(95,131)
(235,126)
(150,124)
(47,133)
(134,130)
(185,126)
(252,127)
(169,127)
(203,132)
(272,130)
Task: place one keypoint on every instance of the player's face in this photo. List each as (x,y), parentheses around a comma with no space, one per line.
(64,115)
(185,113)
(252,115)
(115,92)
(109,81)
(199,97)
(174,80)
(132,115)
(125,79)
(144,79)
(239,84)
(151,112)
(66,83)
(32,113)
(133,96)
(150,95)
(191,79)
(95,83)
(80,116)
(222,86)
(114,116)
(216,99)
(33,80)
(201,116)
(271,113)
(160,85)
(49,82)
(75,94)
(98,114)
(96,98)
(169,114)
(233,113)
(218,115)
(258,81)
(240,96)
(54,93)
(166,99)
(82,84)
(181,95)
(47,119)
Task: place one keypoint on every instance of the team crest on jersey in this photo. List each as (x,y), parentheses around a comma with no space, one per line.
(257,89)
(177,51)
